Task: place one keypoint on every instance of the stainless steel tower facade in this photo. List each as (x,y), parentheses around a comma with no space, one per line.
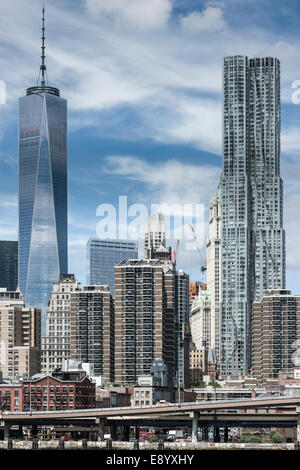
(253,239)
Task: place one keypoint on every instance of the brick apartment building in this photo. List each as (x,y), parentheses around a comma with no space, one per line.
(59,391)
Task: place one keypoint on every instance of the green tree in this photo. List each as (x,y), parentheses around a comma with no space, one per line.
(214,384)
(276,437)
(250,438)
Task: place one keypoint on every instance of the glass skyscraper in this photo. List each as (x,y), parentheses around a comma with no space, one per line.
(42,191)
(104,255)
(9,265)
(253,239)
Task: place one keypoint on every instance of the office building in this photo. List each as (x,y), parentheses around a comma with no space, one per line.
(9,265)
(92,329)
(103,256)
(144,317)
(20,339)
(56,342)
(276,327)
(155,234)
(253,239)
(42,191)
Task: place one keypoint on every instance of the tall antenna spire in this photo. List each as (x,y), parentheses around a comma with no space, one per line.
(43,66)
(41,86)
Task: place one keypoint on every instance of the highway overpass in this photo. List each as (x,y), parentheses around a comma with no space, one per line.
(267,411)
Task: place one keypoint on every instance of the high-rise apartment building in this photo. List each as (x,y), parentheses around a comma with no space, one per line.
(9,265)
(214,267)
(20,340)
(103,256)
(92,329)
(155,234)
(56,342)
(42,190)
(253,239)
(276,326)
(144,317)
(182,329)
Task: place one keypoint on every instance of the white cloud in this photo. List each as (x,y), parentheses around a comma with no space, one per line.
(195,121)
(170,81)
(292,227)
(141,14)
(170,181)
(290,141)
(210,20)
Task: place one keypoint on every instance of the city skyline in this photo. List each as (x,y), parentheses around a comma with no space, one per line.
(129,171)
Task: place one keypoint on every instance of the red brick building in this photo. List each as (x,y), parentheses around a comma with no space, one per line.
(108,398)
(59,391)
(11,397)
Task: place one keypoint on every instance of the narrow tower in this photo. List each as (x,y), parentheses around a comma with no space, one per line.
(42,189)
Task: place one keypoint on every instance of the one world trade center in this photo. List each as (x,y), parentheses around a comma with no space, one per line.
(42,190)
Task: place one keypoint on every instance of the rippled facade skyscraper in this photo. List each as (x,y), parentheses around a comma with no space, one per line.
(43,254)
(253,238)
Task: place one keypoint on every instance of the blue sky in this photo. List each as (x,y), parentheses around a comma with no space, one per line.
(143,80)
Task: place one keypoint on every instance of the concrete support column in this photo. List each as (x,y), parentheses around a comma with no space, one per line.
(101,429)
(113,432)
(298,428)
(20,432)
(225,434)
(6,430)
(195,416)
(126,433)
(216,434)
(205,433)
(34,430)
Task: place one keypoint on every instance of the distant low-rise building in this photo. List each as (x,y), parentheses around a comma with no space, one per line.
(62,390)
(154,387)
(198,365)
(111,397)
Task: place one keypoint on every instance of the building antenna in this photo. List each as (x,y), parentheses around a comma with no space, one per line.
(43,66)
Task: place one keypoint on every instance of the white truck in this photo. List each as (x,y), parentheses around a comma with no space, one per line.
(175,434)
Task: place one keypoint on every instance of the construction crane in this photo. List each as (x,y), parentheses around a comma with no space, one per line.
(201,254)
(175,253)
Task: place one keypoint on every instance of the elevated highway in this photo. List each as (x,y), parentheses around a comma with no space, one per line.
(268,411)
